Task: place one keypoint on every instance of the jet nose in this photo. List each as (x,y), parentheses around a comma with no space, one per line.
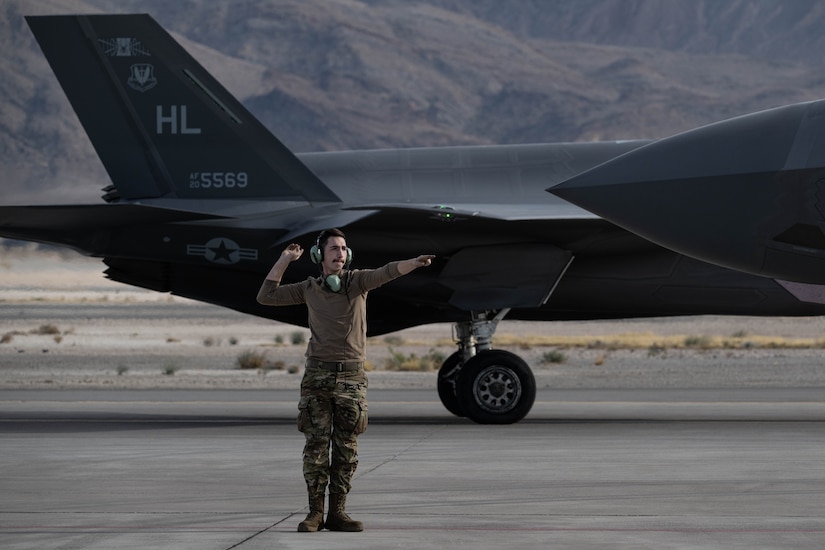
(742,193)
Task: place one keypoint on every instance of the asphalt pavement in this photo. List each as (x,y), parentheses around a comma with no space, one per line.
(617,468)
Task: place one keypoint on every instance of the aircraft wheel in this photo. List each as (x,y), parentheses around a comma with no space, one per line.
(447,379)
(496,387)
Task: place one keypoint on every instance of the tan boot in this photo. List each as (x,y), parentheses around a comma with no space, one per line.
(337,518)
(315,518)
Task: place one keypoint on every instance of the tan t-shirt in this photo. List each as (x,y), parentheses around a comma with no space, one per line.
(337,320)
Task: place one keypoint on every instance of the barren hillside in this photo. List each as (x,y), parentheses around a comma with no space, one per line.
(345,74)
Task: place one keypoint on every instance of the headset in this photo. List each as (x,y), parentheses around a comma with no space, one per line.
(316,254)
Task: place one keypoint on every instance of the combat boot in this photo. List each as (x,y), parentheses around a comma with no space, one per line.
(337,518)
(315,518)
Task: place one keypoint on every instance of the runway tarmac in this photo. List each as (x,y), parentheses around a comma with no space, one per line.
(588,468)
(100,449)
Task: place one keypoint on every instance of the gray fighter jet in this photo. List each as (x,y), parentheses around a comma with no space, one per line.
(204,198)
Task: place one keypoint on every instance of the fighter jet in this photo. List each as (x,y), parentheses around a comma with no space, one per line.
(203,198)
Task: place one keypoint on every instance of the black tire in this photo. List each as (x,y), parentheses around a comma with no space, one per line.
(447,380)
(496,387)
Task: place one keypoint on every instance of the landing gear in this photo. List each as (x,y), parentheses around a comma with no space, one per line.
(496,387)
(487,386)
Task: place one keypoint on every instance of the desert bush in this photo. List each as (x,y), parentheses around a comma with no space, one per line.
(251,359)
(397,361)
(553,356)
(656,349)
(48,329)
(702,342)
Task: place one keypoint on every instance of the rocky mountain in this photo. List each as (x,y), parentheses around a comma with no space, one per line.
(347,74)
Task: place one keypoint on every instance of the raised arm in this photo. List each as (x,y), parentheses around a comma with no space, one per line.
(289,255)
(273,278)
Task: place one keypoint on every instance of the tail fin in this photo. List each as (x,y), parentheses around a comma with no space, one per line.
(161,125)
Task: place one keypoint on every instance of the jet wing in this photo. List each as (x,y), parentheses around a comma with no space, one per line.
(556,210)
(75,225)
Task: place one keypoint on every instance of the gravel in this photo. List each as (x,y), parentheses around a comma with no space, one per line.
(147,340)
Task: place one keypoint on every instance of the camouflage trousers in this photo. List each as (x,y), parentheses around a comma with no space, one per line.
(332,413)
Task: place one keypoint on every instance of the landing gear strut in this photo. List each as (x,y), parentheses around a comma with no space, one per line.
(487,386)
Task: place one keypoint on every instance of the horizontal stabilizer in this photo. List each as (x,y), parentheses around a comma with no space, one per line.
(91,216)
(68,224)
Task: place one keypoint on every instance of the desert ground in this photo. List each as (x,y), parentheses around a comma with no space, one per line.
(63,325)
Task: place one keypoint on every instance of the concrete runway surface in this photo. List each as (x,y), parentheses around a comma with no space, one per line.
(220,469)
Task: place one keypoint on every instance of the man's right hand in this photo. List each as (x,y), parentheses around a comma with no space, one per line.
(292,252)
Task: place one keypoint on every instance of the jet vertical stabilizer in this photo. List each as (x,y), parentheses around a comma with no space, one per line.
(162,126)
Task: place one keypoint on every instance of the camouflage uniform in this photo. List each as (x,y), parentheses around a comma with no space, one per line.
(333,405)
(332,409)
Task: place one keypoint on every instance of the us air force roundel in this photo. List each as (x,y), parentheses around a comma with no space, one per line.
(221,250)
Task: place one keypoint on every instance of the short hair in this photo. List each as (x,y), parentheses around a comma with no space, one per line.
(325,235)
